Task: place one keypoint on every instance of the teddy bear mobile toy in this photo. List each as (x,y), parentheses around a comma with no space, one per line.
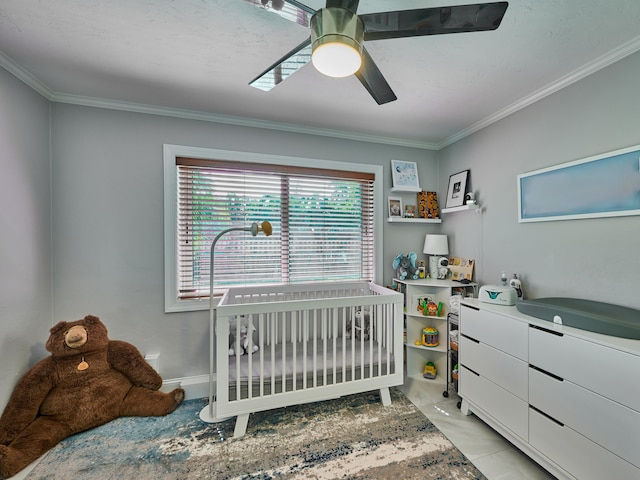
(87,381)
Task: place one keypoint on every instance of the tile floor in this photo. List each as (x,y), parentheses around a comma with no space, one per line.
(494,456)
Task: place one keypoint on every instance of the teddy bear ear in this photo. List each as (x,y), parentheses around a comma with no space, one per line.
(57,327)
(91,320)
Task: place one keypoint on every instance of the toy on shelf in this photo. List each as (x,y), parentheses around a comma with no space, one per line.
(435,309)
(430,337)
(429,371)
(405,266)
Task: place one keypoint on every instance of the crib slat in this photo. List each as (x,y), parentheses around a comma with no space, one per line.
(294,346)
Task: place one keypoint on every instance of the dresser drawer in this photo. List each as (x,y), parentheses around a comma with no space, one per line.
(504,370)
(505,408)
(503,333)
(601,369)
(575,453)
(607,423)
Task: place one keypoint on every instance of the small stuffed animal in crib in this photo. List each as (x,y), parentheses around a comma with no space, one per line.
(240,345)
(245,339)
(361,325)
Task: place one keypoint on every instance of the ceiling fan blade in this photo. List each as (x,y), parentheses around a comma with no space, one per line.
(291,10)
(351,5)
(434,21)
(284,68)
(371,77)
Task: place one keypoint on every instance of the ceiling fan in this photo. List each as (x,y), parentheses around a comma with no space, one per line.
(335,46)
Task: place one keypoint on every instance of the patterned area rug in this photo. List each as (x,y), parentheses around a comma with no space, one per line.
(353,437)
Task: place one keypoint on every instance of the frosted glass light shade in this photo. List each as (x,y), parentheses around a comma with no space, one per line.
(336,59)
(336,39)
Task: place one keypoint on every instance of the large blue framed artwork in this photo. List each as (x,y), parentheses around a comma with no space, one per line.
(606,185)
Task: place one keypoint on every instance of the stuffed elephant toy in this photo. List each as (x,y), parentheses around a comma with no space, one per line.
(405,266)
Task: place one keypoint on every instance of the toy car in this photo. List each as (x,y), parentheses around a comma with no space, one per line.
(429,371)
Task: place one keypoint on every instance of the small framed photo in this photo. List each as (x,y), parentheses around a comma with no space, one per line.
(395,207)
(409,211)
(405,175)
(457,189)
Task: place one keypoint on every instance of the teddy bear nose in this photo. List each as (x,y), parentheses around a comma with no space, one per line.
(76,337)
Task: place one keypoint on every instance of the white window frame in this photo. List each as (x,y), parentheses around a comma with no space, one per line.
(171,152)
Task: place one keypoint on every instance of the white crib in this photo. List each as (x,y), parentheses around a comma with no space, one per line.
(311,346)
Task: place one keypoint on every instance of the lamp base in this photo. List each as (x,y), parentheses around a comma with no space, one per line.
(433,267)
(208,414)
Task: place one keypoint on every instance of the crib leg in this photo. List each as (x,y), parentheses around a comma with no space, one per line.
(241,425)
(385,396)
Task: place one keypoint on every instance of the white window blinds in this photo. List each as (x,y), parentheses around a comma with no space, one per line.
(322,225)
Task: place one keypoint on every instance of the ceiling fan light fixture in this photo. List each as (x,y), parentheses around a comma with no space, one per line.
(336,36)
(336,58)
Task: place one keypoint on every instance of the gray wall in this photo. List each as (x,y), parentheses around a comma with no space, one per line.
(25,230)
(105,181)
(108,218)
(595,259)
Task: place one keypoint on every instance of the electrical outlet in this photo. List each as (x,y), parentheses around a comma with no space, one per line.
(153,359)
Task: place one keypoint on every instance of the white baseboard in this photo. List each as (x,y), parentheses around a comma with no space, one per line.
(194,387)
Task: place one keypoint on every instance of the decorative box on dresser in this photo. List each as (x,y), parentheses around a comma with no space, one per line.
(566,397)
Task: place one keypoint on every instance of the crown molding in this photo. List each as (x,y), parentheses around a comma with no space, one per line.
(27,77)
(609,58)
(232,120)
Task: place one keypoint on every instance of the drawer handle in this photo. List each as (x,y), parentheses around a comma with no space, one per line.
(552,332)
(538,369)
(469,306)
(475,373)
(471,338)
(547,416)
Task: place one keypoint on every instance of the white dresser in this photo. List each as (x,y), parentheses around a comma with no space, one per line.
(568,398)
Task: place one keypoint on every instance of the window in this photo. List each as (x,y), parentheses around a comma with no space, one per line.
(323,222)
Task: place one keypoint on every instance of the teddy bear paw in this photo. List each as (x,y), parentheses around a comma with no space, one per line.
(178,395)
(5,471)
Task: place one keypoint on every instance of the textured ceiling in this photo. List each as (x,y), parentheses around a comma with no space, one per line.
(199,55)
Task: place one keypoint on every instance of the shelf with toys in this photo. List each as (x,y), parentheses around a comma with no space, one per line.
(427,343)
(424,210)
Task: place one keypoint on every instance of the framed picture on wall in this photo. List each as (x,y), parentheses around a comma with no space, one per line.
(457,189)
(405,175)
(395,206)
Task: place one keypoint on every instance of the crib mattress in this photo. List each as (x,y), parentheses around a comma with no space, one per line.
(309,359)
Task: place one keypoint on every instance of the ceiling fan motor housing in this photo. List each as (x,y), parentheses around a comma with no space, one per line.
(337,25)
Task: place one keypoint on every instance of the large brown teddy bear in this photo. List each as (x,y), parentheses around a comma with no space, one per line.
(87,381)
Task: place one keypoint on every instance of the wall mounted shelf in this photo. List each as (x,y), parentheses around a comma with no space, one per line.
(462,208)
(405,189)
(413,220)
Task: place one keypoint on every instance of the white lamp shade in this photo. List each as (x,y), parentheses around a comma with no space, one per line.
(435,245)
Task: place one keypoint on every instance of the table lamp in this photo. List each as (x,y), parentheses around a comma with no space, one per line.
(435,246)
